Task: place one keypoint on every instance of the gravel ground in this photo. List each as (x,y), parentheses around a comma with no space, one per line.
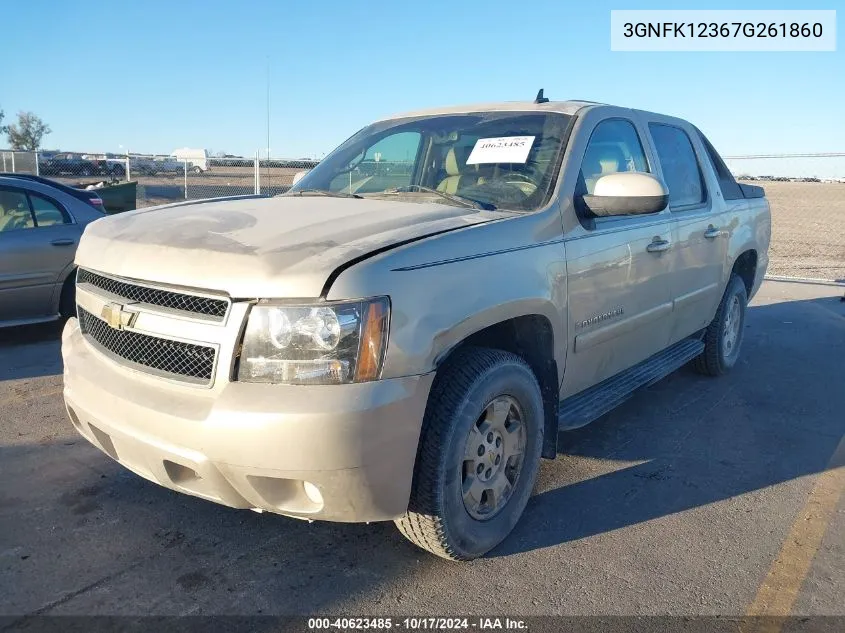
(808,229)
(676,503)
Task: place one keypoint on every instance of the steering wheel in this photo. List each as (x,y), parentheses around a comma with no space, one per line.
(523,182)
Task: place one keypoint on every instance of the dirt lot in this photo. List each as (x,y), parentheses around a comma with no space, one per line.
(808,229)
(698,496)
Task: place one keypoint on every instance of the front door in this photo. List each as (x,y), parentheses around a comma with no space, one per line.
(618,272)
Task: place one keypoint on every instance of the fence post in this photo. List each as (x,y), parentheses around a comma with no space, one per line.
(128,177)
(13,163)
(257,177)
(185,163)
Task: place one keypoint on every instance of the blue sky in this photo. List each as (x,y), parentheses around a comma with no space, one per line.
(156,75)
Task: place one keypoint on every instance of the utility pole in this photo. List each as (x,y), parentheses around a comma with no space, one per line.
(268,124)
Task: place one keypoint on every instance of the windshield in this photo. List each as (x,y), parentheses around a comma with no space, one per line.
(491,160)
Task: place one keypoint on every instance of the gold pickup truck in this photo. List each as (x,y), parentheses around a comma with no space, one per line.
(403,335)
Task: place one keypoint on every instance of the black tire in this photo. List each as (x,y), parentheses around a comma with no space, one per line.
(715,360)
(67,300)
(197,170)
(437,519)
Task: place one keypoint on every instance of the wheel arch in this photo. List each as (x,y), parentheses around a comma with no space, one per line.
(745,267)
(530,336)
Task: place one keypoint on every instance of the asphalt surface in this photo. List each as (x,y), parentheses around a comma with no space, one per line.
(679,502)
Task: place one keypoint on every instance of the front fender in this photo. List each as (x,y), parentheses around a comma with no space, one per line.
(446,288)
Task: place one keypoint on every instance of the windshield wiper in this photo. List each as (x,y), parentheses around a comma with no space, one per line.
(461,200)
(323,192)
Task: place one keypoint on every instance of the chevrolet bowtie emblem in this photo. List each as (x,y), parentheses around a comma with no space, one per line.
(117,317)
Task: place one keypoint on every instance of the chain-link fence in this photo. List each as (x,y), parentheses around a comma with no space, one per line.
(806,192)
(162,179)
(807,196)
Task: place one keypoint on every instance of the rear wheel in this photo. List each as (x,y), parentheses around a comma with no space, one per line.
(723,337)
(478,456)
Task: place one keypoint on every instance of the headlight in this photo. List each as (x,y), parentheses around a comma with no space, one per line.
(321,343)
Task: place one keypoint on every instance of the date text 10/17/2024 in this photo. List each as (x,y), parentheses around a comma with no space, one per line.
(417,624)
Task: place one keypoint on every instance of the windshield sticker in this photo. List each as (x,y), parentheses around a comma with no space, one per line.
(504,149)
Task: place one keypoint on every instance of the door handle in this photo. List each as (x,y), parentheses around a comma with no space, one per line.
(658,246)
(712,232)
(66,241)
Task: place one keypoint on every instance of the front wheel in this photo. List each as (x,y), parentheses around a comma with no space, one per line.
(478,455)
(723,337)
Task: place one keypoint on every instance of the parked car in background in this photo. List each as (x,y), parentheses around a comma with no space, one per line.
(68,165)
(168,165)
(143,165)
(89,196)
(197,158)
(84,165)
(403,335)
(115,167)
(40,227)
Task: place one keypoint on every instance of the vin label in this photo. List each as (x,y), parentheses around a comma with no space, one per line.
(723,30)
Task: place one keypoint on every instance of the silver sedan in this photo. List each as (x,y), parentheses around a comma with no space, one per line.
(40,226)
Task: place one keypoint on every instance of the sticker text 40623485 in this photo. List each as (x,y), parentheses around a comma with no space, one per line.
(502,149)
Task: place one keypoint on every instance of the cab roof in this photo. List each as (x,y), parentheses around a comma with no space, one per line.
(563,107)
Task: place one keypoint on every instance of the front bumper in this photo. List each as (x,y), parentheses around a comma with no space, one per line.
(254,445)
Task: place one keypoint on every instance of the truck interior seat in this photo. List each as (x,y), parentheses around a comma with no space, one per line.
(456,174)
(12,216)
(600,161)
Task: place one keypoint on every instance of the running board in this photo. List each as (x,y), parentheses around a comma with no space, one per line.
(592,403)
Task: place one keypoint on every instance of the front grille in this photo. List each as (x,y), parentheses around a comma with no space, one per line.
(183,361)
(192,304)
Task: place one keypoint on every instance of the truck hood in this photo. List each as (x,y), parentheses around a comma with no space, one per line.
(259,247)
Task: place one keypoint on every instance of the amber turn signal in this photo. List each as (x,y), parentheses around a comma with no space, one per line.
(373,341)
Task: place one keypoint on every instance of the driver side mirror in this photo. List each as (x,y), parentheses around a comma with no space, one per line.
(627,193)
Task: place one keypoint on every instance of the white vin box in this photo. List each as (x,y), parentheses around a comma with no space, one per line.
(723,30)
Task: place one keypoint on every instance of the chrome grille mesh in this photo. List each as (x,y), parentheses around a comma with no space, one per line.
(180,360)
(155,296)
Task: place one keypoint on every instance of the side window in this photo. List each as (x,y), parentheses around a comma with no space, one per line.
(613,147)
(727,183)
(46,212)
(14,211)
(680,166)
(386,164)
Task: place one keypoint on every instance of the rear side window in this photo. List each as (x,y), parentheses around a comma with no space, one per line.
(727,183)
(680,166)
(46,212)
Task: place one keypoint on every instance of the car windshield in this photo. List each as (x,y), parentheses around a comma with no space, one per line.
(489,160)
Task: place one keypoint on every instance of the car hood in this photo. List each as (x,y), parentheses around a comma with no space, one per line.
(259,247)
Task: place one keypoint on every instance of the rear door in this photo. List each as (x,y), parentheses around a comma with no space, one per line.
(37,243)
(698,232)
(618,270)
